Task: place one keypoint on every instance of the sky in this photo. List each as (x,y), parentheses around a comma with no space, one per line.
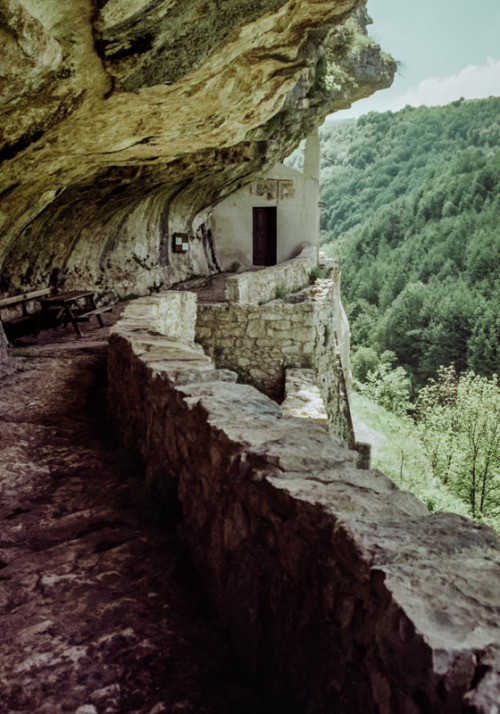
(447,49)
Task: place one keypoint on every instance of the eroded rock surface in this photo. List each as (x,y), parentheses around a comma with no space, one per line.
(5,356)
(100,611)
(125,121)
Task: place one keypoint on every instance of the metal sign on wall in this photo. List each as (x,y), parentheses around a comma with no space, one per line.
(180,242)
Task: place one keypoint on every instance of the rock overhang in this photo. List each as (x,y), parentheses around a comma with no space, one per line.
(136,117)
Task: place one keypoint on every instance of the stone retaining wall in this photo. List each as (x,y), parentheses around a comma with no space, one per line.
(254,287)
(340,591)
(261,341)
(332,271)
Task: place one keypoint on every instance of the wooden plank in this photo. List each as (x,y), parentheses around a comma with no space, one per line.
(64,298)
(15,299)
(97,311)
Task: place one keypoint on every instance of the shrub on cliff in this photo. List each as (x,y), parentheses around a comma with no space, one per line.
(364,361)
(387,386)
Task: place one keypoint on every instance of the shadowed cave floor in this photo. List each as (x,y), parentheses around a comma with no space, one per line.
(100,611)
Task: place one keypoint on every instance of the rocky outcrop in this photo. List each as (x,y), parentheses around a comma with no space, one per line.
(124,122)
(5,354)
(341,592)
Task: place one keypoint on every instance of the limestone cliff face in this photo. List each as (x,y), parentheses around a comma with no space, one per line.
(126,120)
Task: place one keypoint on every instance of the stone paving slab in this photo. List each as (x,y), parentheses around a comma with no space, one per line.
(100,611)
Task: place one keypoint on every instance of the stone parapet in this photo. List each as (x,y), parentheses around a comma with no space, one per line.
(172,314)
(302,396)
(260,342)
(259,286)
(341,592)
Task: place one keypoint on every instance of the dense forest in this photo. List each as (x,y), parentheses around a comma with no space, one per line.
(412,212)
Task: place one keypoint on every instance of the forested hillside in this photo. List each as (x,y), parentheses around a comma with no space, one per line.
(412,212)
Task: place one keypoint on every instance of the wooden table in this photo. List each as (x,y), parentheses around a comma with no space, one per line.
(73,306)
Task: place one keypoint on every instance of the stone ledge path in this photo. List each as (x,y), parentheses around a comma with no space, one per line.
(100,612)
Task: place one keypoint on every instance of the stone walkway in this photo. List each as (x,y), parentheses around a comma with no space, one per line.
(100,611)
(208,289)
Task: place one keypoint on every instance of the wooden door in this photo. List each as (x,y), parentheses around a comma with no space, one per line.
(264,236)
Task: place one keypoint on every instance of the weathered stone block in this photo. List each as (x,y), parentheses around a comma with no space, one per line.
(338,588)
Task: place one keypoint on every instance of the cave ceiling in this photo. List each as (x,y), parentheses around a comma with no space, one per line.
(123,120)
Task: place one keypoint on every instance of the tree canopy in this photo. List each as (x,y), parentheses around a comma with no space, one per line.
(412,212)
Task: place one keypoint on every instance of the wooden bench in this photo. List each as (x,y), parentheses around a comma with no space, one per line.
(98,312)
(23,300)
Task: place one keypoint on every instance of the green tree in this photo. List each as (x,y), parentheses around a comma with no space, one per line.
(459,421)
(363,361)
(404,327)
(387,386)
(363,318)
(484,344)
(412,213)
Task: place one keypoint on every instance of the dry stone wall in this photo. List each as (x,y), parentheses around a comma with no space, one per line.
(332,270)
(261,341)
(341,592)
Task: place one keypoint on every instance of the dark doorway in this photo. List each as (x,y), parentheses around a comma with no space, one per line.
(264,236)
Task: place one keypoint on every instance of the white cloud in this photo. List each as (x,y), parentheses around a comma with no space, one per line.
(471,83)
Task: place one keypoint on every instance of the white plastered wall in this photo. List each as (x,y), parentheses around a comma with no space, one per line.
(231,221)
